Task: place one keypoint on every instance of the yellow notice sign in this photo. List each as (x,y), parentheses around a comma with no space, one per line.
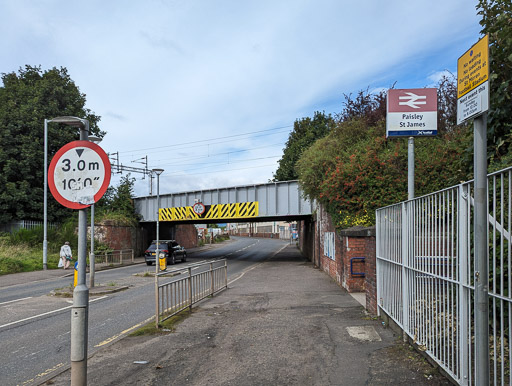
(473,67)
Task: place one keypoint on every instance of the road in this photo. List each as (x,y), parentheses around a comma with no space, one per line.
(35,327)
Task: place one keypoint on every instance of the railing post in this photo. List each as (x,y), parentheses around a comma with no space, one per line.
(378,235)
(190,288)
(225,274)
(157,302)
(405,256)
(106,259)
(463,296)
(211,277)
(133,256)
(121,256)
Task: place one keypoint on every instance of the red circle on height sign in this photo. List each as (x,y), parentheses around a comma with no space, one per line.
(79,174)
(198,208)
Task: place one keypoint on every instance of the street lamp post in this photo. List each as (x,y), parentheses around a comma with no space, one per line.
(157,251)
(92,257)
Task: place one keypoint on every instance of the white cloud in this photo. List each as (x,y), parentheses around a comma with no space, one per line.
(438,75)
(163,73)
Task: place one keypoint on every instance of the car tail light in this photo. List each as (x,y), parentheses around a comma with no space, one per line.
(165,251)
(148,251)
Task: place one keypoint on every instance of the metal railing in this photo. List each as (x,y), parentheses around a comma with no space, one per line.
(180,288)
(117,256)
(14,226)
(425,275)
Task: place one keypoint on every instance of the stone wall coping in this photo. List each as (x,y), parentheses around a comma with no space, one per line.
(358,231)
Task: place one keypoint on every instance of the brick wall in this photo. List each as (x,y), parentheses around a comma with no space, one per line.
(139,238)
(186,235)
(357,242)
(119,237)
(349,243)
(371,275)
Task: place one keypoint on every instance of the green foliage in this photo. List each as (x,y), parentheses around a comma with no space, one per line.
(27,98)
(355,169)
(305,132)
(497,23)
(351,181)
(367,106)
(20,257)
(117,204)
(166,327)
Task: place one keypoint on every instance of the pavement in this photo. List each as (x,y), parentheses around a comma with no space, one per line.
(282,322)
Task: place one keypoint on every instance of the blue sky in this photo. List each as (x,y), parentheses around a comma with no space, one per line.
(209,90)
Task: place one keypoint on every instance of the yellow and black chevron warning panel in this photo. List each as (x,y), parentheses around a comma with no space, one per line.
(248,209)
(212,212)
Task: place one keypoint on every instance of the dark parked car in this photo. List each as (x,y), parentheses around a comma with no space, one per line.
(170,248)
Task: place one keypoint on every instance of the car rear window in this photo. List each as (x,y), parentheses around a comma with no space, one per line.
(152,247)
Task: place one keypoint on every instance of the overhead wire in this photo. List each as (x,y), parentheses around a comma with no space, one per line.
(211,164)
(210,140)
(213,155)
(217,171)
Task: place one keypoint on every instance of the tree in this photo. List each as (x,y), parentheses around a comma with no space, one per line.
(446,104)
(117,203)
(305,132)
(367,106)
(497,23)
(26,99)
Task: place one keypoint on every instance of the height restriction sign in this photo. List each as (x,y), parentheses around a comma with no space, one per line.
(79,174)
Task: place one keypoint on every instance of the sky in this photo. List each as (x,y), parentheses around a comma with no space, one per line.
(208,90)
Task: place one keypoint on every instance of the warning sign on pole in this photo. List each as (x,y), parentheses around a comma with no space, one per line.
(473,81)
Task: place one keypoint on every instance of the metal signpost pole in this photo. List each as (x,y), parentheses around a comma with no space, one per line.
(157,251)
(79,311)
(481,249)
(92,257)
(473,102)
(410,169)
(45,210)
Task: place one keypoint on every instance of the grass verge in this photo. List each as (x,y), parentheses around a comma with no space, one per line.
(166,327)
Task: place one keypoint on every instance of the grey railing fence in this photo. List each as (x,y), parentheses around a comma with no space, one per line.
(181,288)
(425,275)
(13,226)
(117,256)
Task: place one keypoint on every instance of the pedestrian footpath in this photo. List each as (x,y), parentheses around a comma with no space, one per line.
(282,322)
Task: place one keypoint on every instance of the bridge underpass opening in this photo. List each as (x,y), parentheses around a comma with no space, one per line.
(264,227)
(275,201)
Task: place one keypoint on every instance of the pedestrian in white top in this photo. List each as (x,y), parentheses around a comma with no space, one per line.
(65,254)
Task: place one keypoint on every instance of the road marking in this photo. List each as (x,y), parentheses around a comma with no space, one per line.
(46,372)
(46,313)
(16,300)
(257,265)
(244,248)
(107,341)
